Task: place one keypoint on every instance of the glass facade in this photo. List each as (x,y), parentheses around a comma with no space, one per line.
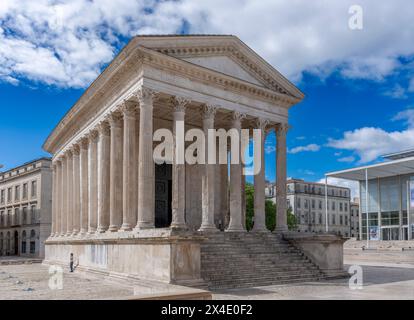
(387,203)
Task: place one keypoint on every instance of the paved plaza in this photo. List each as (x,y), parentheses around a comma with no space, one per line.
(31,281)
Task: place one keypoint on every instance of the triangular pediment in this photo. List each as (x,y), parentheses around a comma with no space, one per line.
(224,54)
(226,65)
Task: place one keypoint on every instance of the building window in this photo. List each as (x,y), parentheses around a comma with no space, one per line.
(2,197)
(9,218)
(1,221)
(333,205)
(33,214)
(306,203)
(16,193)
(299,201)
(32,241)
(320,218)
(346,207)
(16,216)
(25,191)
(340,206)
(320,204)
(9,194)
(346,220)
(34,189)
(24,242)
(313,218)
(24,218)
(333,219)
(313,203)
(341,220)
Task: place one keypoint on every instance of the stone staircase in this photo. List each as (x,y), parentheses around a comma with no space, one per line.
(236,260)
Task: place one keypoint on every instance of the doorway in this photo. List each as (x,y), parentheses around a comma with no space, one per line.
(163,195)
(390,233)
(16,243)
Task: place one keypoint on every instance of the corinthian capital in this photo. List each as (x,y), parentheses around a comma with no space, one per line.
(209,111)
(262,123)
(145,96)
(281,129)
(103,128)
(238,116)
(128,108)
(180,103)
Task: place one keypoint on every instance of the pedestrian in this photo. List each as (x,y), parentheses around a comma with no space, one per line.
(71,262)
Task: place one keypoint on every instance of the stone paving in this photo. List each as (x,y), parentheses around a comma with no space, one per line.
(30,281)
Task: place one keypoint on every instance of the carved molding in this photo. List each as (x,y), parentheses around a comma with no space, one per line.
(180,103)
(209,111)
(145,96)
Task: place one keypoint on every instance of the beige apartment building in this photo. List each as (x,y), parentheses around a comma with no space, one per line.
(25,208)
(307,202)
(355,218)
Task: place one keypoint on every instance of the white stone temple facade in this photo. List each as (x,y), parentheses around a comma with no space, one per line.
(116,209)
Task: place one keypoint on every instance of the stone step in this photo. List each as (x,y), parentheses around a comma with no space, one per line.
(218,286)
(264,278)
(263,269)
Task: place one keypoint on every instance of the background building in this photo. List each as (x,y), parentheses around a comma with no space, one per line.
(387,193)
(307,201)
(25,208)
(354,224)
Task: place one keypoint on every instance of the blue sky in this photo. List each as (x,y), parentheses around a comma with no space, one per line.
(359,84)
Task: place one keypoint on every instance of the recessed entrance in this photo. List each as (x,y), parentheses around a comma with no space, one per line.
(163,195)
(16,243)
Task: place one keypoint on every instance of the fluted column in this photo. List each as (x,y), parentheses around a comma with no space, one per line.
(130,167)
(236,171)
(69,205)
(58,197)
(104,156)
(54,200)
(281,207)
(64,197)
(93,181)
(76,191)
(207,222)
(178,167)
(84,186)
(115,210)
(259,181)
(146,175)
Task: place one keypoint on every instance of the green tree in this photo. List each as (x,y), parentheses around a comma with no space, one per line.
(270,211)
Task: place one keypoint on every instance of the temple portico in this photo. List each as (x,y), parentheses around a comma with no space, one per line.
(114,206)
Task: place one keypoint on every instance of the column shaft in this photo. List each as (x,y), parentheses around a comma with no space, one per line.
(115,211)
(104,145)
(76,191)
(208,207)
(84,186)
(93,182)
(69,204)
(64,197)
(130,166)
(58,197)
(53,226)
(236,171)
(146,175)
(281,221)
(178,167)
(259,181)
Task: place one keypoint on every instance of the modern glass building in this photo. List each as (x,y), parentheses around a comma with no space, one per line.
(387,194)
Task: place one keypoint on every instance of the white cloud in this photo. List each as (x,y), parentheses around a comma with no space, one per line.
(347,159)
(353,185)
(74,39)
(397,92)
(310,147)
(369,143)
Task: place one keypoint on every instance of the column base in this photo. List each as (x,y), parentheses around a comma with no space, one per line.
(126,227)
(235,230)
(281,229)
(208,228)
(101,229)
(75,233)
(260,230)
(144,226)
(113,228)
(92,231)
(179,226)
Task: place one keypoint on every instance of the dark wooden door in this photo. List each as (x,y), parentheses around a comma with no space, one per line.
(163,178)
